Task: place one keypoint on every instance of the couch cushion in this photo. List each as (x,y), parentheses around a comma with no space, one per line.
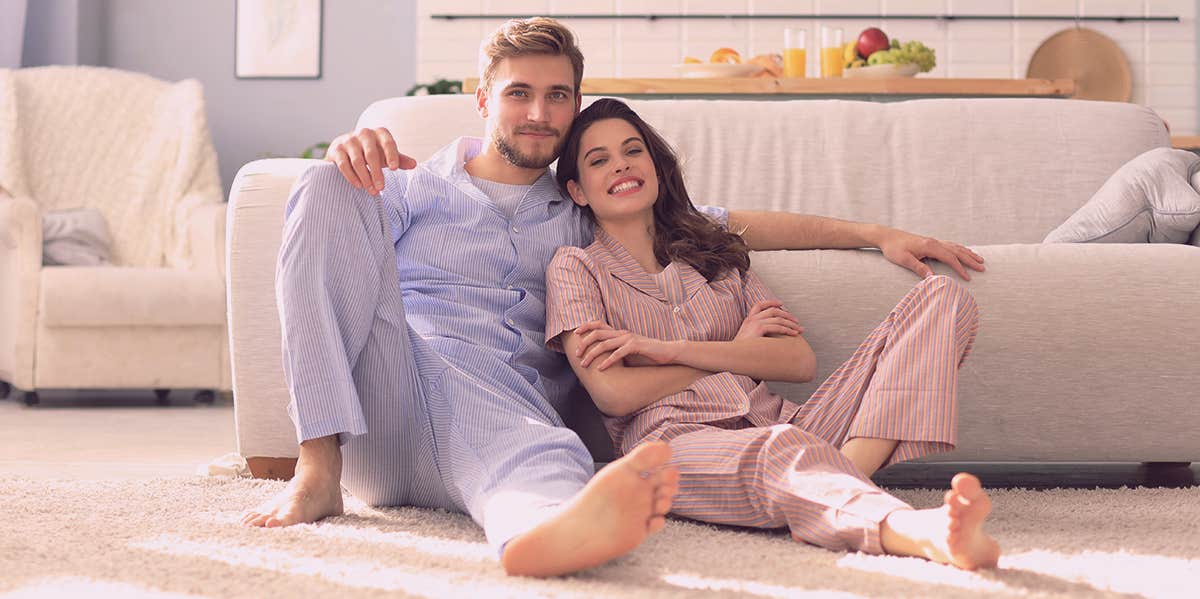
(1151,199)
(120,296)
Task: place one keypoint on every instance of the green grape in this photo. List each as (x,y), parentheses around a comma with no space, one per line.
(912,52)
(882,57)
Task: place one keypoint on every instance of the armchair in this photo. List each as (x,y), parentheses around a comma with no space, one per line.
(138,150)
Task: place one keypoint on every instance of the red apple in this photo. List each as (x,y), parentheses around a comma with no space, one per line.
(872,40)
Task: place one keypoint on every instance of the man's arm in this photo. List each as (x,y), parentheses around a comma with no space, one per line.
(788,231)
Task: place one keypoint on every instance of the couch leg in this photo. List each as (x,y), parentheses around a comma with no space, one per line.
(31,398)
(161,395)
(205,396)
(5,390)
(276,468)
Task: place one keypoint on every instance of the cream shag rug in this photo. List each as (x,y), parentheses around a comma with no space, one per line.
(180,538)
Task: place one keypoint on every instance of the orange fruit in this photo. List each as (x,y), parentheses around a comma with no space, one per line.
(691,60)
(725,56)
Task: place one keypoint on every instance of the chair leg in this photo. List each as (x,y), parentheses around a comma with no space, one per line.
(205,396)
(161,395)
(31,398)
(5,390)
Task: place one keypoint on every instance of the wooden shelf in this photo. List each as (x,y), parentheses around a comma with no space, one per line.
(1185,142)
(908,86)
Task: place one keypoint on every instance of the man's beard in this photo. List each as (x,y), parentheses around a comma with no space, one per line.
(515,157)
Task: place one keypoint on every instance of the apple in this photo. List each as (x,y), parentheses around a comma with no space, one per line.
(872,40)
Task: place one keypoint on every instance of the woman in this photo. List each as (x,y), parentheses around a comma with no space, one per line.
(669,330)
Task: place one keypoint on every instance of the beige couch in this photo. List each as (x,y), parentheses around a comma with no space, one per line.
(137,150)
(1085,352)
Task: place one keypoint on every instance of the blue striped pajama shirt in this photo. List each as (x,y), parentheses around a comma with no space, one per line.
(413,328)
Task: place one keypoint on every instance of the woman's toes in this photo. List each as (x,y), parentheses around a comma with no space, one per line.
(966,484)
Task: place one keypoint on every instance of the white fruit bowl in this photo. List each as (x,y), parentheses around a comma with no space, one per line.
(695,70)
(882,71)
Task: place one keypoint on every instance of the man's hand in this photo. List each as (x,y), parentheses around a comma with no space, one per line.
(769,318)
(908,250)
(361,157)
(597,337)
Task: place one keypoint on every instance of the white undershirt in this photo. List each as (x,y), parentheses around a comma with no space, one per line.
(505,196)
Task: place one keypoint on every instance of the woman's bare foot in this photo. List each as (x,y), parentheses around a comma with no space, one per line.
(621,506)
(314,493)
(952,534)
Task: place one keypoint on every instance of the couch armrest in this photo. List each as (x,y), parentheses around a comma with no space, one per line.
(206,237)
(255,230)
(1085,352)
(20,264)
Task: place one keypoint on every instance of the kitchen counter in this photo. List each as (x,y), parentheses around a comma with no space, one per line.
(895,88)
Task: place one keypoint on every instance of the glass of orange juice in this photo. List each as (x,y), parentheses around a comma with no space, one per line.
(795,54)
(832,57)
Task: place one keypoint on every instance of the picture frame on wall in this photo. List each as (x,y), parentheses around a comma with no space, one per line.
(278,39)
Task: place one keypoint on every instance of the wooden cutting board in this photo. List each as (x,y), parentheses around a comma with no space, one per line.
(1095,62)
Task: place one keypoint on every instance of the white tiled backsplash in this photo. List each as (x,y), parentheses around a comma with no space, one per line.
(1162,56)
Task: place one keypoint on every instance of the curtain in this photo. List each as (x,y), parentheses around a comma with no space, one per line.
(12,32)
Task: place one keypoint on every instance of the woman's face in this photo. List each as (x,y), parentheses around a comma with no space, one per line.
(616,174)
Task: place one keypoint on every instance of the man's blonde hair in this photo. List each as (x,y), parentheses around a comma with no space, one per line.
(528,37)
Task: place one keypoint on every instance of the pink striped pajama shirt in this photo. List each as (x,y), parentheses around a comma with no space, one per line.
(747,456)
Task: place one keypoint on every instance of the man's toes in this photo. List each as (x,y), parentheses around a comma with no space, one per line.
(670,477)
(662,505)
(656,524)
(260,520)
(649,457)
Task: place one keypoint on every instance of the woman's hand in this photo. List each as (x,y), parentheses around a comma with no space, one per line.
(769,318)
(597,338)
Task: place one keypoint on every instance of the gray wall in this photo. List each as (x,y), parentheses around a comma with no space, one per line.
(369,53)
(62,32)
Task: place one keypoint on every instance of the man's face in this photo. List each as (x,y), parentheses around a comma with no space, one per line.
(529,108)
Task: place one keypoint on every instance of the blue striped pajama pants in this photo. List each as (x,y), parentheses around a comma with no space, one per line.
(416,430)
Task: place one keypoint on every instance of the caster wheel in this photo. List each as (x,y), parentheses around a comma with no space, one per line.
(32,399)
(206,396)
(5,390)
(161,395)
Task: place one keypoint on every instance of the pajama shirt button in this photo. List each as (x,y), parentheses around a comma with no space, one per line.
(676,310)
(515,230)
(510,323)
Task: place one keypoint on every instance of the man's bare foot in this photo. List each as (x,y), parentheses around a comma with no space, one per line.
(952,534)
(623,504)
(314,493)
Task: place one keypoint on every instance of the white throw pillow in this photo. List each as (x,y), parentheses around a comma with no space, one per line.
(1151,199)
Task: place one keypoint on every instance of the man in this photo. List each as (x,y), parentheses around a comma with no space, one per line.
(413,325)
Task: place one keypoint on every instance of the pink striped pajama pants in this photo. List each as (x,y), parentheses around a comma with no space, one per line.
(899,384)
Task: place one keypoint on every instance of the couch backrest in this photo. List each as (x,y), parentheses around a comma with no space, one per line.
(979,171)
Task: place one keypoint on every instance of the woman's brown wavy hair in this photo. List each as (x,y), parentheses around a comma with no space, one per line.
(680,231)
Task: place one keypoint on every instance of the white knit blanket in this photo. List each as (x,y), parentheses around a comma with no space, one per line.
(131,146)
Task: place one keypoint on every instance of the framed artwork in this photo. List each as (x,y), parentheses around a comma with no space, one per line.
(277,39)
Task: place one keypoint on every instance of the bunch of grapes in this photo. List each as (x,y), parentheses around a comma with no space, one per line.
(908,52)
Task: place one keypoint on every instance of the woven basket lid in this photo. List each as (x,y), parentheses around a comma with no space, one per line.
(1095,62)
